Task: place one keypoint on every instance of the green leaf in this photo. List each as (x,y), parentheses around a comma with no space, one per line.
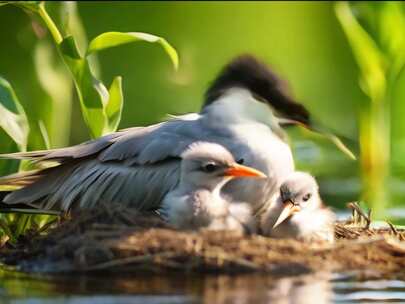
(392,30)
(112,39)
(12,116)
(22,223)
(92,93)
(113,109)
(71,24)
(69,49)
(392,25)
(366,53)
(32,6)
(101,109)
(44,134)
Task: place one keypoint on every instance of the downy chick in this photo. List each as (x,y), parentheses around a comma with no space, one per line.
(298,212)
(197,202)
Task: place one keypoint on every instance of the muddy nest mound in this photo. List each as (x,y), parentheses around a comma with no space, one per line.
(118,239)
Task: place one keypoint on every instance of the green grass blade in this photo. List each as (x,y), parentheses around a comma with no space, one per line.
(44,134)
(4,226)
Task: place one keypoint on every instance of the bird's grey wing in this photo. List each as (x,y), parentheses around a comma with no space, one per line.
(129,167)
(141,145)
(65,154)
(88,183)
(169,139)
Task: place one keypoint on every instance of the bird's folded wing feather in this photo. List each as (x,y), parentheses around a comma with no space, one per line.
(88,183)
(136,167)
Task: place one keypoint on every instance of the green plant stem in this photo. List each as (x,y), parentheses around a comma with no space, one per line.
(50,24)
(375,151)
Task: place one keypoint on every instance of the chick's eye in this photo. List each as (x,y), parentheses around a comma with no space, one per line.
(306,197)
(209,167)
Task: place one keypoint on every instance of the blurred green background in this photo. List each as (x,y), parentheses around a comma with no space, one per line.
(302,41)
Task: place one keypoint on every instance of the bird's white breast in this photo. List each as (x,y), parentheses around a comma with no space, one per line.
(248,132)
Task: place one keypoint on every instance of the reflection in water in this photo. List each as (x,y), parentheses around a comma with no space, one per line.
(265,289)
(184,289)
(178,288)
(104,300)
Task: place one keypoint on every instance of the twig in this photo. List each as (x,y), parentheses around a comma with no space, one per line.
(393,229)
(367,217)
(131,260)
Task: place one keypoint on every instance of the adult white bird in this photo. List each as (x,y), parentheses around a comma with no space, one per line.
(197,201)
(298,212)
(139,166)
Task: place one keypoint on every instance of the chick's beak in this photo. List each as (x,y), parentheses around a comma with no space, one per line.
(288,210)
(236,170)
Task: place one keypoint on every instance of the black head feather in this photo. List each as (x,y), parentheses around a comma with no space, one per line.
(247,72)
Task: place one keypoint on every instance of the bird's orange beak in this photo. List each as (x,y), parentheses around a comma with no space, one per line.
(237,170)
(288,210)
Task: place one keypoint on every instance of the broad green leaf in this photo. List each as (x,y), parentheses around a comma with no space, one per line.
(92,93)
(12,116)
(113,109)
(112,39)
(366,52)
(69,49)
(71,24)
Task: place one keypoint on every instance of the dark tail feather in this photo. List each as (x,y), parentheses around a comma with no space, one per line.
(2,196)
(21,208)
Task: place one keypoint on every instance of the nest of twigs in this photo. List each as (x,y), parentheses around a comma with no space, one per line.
(121,239)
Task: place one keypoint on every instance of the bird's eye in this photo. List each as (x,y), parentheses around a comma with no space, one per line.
(240,161)
(306,197)
(210,168)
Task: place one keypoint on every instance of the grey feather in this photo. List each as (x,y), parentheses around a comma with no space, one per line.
(88,183)
(63,154)
(154,143)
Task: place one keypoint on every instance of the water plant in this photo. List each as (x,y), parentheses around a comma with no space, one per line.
(101,107)
(376,34)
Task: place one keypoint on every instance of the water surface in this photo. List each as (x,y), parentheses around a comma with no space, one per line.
(184,289)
